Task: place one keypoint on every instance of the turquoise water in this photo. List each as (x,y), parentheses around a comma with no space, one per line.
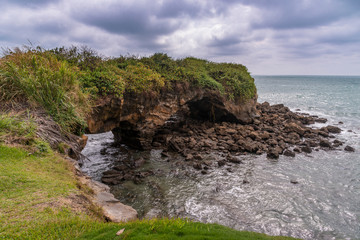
(324,205)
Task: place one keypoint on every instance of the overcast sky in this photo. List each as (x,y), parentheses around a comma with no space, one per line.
(268,36)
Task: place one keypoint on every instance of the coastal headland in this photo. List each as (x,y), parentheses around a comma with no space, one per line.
(190,106)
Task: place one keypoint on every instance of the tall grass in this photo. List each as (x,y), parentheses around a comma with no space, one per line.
(64,80)
(39,78)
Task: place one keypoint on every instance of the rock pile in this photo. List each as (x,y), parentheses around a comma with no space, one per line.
(275,131)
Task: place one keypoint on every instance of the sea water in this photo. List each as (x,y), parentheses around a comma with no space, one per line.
(325,204)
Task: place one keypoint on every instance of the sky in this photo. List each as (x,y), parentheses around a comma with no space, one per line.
(270,37)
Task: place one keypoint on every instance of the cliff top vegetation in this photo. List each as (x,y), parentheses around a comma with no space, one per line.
(64,81)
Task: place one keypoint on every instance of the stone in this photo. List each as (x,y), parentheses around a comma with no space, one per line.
(197,166)
(165,154)
(114,210)
(272,154)
(306,149)
(325,144)
(221,163)
(349,149)
(333,129)
(294,181)
(321,120)
(293,127)
(233,159)
(289,153)
(189,157)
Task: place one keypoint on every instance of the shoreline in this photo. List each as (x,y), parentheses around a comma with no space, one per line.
(276,131)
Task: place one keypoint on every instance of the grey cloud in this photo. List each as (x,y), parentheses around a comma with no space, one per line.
(291,14)
(176,8)
(26,3)
(121,19)
(224,42)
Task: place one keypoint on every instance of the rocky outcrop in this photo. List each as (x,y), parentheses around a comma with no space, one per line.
(111,207)
(135,118)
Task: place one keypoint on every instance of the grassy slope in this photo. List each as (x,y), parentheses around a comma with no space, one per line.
(34,197)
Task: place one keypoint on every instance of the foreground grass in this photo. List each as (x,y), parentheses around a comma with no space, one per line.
(172,229)
(35,197)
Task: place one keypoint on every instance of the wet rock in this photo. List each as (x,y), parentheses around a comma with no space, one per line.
(189,157)
(293,127)
(197,166)
(221,163)
(311,143)
(294,181)
(103,151)
(306,149)
(120,168)
(333,129)
(325,144)
(233,159)
(289,153)
(349,149)
(321,120)
(156,144)
(174,146)
(296,149)
(323,133)
(139,162)
(272,154)
(165,154)
(337,143)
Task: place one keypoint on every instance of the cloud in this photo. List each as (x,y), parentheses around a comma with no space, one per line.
(258,33)
(31,4)
(290,14)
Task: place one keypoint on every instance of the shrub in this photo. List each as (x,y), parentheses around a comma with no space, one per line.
(139,78)
(42,79)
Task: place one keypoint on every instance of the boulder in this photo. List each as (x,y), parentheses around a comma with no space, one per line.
(349,149)
(332,129)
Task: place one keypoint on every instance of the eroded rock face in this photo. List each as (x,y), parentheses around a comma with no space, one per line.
(135,118)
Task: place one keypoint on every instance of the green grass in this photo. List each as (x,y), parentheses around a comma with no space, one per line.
(32,193)
(13,125)
(172,229)
(39,78)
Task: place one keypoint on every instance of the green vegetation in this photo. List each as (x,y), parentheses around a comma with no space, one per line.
(43,80)
(37,197)
(64,80)
(172,229)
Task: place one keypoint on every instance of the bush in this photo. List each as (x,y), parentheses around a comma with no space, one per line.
(139,78)
(40,78)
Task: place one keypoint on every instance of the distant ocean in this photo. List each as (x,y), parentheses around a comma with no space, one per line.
(325,204)
(328,201)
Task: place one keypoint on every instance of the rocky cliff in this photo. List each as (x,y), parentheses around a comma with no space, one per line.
(135,118)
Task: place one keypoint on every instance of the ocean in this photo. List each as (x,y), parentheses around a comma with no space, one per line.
(325,204)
